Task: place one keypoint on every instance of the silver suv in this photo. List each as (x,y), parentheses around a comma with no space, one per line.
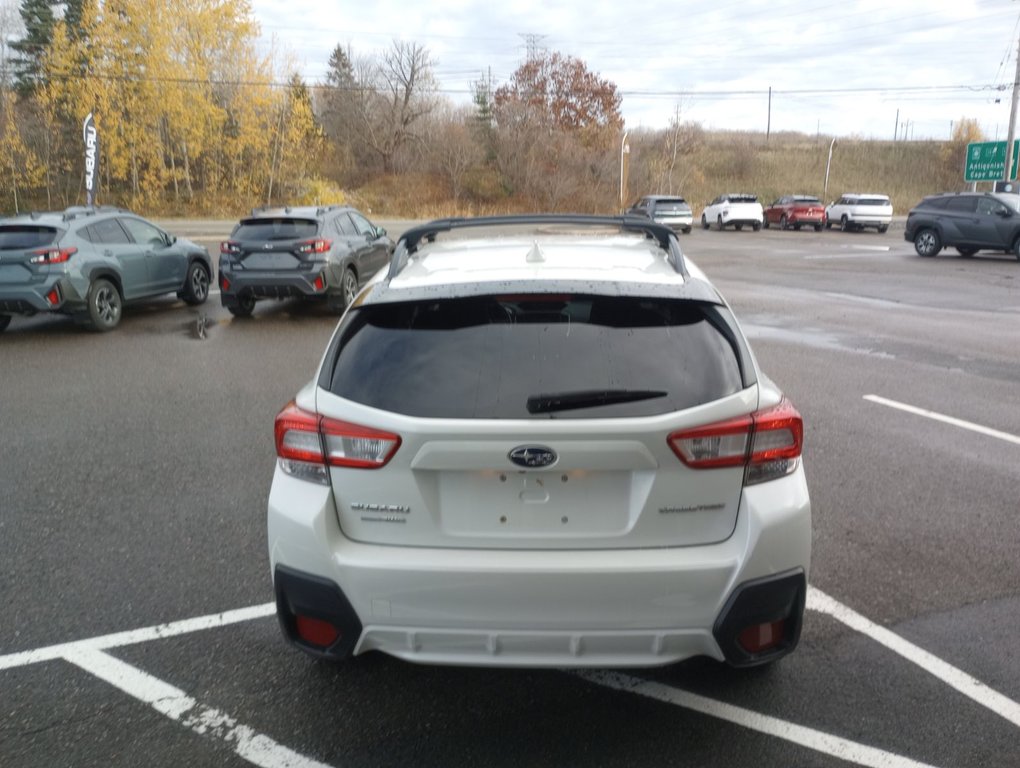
(671,210)
(540,441)
(88,261)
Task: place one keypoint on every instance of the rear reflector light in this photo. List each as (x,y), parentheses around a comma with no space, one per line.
(314,246)
(762,637)
(767,443)
(316,631)
(224,283)
(53,297)
(230,248)
(319,283)
(52,255)
(306,444)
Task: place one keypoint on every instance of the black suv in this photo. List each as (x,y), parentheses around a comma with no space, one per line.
(88,261)
(967,221)
(324,253)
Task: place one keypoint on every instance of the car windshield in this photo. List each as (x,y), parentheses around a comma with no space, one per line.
(535,356)
(278,228)
(20,236)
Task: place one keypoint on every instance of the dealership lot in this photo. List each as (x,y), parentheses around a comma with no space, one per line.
(138,628)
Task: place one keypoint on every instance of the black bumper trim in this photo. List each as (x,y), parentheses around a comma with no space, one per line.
(781,596)
(319,598)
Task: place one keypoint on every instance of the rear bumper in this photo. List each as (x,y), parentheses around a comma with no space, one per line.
(282,284)
(643,607)
(30,298)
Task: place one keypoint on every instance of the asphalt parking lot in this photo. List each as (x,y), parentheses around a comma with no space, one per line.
(138,628)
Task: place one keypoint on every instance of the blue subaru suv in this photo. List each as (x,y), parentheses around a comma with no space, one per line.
(88,262)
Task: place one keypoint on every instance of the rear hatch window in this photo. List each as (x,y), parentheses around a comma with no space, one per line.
(672,206)
(18,237)
(279,228)
(537,357)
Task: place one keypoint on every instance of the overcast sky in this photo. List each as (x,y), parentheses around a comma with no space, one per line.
(842,67)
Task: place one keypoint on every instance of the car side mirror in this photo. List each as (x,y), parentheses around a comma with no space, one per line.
(1005,213)
(380,231)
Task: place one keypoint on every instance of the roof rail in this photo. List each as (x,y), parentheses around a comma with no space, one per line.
(665,236)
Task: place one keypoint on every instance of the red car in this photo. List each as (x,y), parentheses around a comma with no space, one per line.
(794,211)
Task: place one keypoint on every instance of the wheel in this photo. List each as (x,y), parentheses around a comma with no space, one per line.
(104,305)
(5,320)
(844,224)
(883,228)
(196,285)
(818,227)
(783,223)
(756,226)
(1016,249)
(738,227)
(828,224)
(687,230)
(927,242)
(719,224)
(349,287)
(244,306)
(796,227)
(704,222)
(966,252)
(765,223)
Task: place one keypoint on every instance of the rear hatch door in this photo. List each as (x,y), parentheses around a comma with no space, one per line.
(535,425)
(273,243)
(19,244)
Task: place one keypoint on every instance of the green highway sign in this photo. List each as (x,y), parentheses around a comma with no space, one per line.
(986,160)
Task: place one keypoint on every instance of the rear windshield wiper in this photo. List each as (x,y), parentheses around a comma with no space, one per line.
(590,398)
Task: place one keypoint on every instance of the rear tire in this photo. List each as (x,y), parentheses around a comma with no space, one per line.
(738,227)
(818,227)
(844,224)
(104,305)
(704,222)
(765,223)
(1016,248)
(5,320)
(883,229)
(783,223)
(196,285)
(719,224)
(966,252)
(756,226)
(927,243)
(244,306)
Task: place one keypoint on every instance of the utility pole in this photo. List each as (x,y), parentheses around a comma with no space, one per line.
(768,123)
(1007,173)
(896,130)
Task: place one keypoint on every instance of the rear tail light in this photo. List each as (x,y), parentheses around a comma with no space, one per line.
(52,255)
(766,443)
(314,246)
(230,248)
(306,444)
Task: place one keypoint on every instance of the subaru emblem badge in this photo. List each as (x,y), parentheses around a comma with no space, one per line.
(533,456)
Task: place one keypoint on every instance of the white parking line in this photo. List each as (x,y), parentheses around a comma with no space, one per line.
(263,751)
(988,431)
(177,705)
(819,741)
(950,675)
(51,652)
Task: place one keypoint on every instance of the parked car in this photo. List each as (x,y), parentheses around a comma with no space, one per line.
(794,211)
(736,210)
(88,262)
(528,444)
(671,210)
(855,211)
(967,221)
(318,253)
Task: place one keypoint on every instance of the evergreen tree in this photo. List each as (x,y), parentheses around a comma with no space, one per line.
(38,18)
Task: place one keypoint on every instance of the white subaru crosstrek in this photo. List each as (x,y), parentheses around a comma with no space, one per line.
(540,441)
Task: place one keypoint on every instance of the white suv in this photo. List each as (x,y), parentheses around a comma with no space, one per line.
(856,211)
(540,441)
(734,210)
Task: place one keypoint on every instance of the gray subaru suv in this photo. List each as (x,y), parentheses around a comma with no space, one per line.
(88,261)
(319,253)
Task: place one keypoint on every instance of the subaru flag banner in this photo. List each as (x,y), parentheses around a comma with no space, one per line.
(91,137)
